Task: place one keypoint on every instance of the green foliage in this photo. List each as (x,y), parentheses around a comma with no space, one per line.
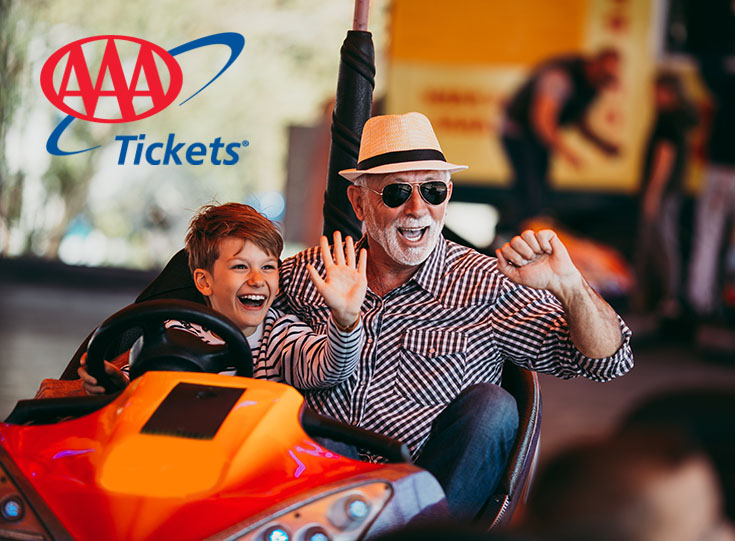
(286,75)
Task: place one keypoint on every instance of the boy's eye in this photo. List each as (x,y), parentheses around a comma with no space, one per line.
(239,266)
(269,267)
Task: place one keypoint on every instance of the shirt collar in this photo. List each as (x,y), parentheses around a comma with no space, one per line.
(431,271)
(429,274)
(254,338)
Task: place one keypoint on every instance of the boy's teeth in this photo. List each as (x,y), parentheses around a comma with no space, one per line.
(252,300)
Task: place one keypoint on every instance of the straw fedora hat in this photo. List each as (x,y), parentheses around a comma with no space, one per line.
(395,143)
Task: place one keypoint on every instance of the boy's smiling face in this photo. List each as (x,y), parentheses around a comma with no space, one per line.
(242,284)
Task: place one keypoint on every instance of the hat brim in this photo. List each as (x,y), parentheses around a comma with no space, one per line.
(400,167)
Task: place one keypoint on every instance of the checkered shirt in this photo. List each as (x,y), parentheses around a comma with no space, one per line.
(452,325)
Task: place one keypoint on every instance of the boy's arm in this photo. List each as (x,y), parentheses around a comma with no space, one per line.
(113,369)
(314,361)
(310,360)
(59,388)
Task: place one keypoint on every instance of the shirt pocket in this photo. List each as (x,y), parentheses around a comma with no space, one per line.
(431,367)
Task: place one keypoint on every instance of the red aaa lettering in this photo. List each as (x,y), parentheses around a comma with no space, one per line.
(111,69)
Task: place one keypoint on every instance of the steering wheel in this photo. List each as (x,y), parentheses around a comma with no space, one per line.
(170,349)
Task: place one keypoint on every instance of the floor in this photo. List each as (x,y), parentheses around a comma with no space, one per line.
(41,326)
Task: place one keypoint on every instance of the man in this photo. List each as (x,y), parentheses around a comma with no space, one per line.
(657,254)
(441,319)
(558,94)
(712,27)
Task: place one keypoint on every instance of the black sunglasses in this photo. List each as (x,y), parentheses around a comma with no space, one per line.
(394,195)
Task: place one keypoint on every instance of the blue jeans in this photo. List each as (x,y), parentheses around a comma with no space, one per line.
(469,445)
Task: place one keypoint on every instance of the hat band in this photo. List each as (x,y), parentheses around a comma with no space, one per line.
(400,156)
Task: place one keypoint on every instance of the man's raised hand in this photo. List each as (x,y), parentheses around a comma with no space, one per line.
(539,260)
(345,283)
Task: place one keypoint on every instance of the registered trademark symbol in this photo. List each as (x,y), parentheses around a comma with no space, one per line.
(245,143)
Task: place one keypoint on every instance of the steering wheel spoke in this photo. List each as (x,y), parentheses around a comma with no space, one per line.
(154,332)
(170,349)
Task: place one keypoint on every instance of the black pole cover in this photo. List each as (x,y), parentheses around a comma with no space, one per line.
(352,107)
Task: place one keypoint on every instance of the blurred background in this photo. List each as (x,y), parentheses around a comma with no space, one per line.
(623,174)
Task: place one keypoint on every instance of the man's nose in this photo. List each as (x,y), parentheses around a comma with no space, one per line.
(415,204)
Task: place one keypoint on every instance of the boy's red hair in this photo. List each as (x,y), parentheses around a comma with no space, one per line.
(212,223)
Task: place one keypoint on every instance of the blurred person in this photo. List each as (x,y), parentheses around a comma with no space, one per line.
(714,26)
(558,94)
(706,414)
(639,486)
(658,255)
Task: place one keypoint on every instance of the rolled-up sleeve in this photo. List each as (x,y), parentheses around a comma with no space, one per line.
(531,330)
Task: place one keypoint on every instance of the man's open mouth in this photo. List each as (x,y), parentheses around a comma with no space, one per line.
(252,301)
(413,234)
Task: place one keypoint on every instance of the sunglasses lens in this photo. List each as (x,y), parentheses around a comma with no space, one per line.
(394,195)
(434,193)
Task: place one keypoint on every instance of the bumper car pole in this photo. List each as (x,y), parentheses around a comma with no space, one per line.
(352,108)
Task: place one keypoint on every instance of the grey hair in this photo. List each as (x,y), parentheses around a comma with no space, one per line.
(361,180)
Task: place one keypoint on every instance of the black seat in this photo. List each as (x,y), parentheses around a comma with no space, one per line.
(174,282)
(513,486)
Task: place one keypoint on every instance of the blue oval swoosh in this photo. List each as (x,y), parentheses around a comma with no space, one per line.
(233,40)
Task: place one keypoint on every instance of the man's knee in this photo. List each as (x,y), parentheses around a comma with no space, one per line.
(490,409)
(490,398)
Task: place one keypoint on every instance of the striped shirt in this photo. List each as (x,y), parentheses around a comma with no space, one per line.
(289,351)
(453,324)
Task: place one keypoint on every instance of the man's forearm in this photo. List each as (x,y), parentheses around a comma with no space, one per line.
(594,138)
(545,126)
(593,324)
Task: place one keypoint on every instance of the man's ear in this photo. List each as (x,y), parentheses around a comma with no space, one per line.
(203,281)
(356,197)
(449,194)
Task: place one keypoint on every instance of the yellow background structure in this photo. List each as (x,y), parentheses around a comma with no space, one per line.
(458,62)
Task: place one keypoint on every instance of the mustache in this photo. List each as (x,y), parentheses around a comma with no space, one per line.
(406,223)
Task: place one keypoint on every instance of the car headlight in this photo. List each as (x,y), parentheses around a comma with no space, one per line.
(23,514)
(339,516)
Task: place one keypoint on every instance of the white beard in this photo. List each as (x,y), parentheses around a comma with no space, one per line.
(388,238)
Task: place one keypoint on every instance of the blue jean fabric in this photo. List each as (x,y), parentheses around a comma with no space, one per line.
(468,446)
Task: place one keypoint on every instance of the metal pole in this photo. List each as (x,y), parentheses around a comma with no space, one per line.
(362,10)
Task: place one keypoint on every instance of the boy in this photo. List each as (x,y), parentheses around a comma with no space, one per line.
(234,257)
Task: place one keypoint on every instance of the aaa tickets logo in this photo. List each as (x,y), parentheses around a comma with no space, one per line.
(114,96)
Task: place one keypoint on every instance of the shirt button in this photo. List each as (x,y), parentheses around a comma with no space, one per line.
(432,350)
(369,340)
